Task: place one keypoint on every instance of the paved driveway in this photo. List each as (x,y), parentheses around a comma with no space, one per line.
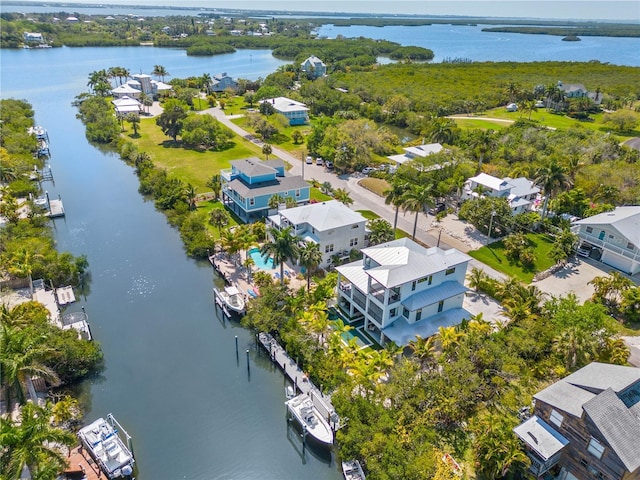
(575,277)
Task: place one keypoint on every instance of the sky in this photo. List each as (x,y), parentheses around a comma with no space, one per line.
(627,10)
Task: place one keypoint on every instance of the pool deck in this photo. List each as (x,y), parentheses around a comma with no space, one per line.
(237,275)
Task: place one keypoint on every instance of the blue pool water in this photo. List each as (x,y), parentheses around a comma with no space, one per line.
(259,260)
(361,340)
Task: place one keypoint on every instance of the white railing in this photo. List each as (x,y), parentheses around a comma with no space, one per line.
(594,240)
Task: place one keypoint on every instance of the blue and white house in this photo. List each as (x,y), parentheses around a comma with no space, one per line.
(613,238)
(141,83)
(296,112)
(402,289)
(332,225)
(249,184)
(221,81)
(314,67)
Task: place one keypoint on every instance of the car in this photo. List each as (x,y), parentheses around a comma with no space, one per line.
(309,160)
(319,161)
(439,207)
(368,170)
(583,251)
(512,107)
(329,165)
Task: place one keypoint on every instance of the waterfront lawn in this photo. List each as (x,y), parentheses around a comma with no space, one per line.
(189,165)
(210,205)
(494,255)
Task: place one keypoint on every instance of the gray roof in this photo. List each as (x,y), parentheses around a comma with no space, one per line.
(281,184)
(541,437)
(624,219)
(433,295)
(252,167)
(403,260)
(618,426)
(522,186)
(572,392)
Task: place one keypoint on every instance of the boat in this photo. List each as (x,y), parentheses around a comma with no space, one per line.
(232,299)
(352,470)
(102,441)
(289,392)
(312,422)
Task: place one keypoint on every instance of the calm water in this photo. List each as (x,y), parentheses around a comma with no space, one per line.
(453,41)
(172,377)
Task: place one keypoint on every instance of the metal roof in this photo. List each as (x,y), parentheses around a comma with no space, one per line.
(624,219)
(285,105)
(433,295)
(356,275)
(541,437)
(323,216)
(492,182)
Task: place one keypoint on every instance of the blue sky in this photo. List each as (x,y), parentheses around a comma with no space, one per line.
(567,9)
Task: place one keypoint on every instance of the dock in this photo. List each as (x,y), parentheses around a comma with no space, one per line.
(301,382)
(81,465)
(56,209)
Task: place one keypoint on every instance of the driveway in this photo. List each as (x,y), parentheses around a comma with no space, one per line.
(574,278)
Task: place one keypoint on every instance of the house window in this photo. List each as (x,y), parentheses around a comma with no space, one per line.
(589,229)
(252,201)
(556,418)
(440,305)
(297,193)
(393,312)
(405,312)
(355,226)
(413,286)
(426,279)
(353,242)
(595,448)
(418,315)
(328,248)
(449,271)
(630,246)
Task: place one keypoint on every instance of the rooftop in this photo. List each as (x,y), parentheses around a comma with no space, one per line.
(323,216)
(541,437)
(624,219)
(283,104)
(492,182)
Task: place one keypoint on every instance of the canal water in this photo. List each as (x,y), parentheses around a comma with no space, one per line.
(171,376)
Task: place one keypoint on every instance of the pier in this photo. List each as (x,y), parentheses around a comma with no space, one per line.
(301,382)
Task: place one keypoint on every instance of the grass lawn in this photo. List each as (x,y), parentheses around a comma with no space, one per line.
(375,185)
(494,256)
(210,205)
(369,215)
(480,124)
(190,166)
(317,195)
(283,139)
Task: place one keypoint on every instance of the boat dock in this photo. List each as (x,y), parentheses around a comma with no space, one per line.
(301,382)
(56,209)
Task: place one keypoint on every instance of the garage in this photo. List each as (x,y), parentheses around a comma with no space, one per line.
(617,261)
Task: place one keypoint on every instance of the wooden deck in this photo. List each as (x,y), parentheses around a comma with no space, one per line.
(301,382)
(80,461)
(56,209)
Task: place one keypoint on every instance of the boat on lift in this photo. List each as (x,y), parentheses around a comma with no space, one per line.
(312,422)
(102,441)
(231,299)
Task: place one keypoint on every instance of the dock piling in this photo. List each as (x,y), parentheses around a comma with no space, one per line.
(236,344)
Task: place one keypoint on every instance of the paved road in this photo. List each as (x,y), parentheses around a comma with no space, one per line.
(363,198)
(633,143)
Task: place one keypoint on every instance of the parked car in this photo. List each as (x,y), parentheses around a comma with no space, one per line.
(319,161)
(439,207)
(368,170)
(512,107)
(309,160)
(583,251)
(329,165)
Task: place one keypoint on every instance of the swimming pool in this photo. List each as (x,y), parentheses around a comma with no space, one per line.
(361,340)
(259,260)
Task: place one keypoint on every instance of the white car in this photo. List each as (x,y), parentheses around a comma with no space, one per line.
(309,160)
(368,170)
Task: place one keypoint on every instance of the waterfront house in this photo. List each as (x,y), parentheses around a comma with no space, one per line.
(586,425)
(31,37)
(332,225)
(126,105)
(250,183)
(296,112)
(572,90)
(221,81)
(313,67)
(521,193)
(613,238)
(402,289)
(141,83)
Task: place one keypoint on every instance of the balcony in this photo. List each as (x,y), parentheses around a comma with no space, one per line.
(625,252)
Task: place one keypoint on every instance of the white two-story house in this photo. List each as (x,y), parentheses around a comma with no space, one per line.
(613,238)
(332,225)
(522,194)
(403,289)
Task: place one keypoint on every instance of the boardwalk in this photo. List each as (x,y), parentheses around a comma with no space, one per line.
(300,381)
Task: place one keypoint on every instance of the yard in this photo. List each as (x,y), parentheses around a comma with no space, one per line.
(494,255)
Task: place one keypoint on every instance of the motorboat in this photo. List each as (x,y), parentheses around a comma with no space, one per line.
(289,392)
(352,470)
(102,441)
(312,422)
(232,299)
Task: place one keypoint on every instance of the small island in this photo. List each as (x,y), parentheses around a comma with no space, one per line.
(571,38)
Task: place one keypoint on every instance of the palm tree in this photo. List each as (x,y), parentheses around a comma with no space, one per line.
(191,195)
(32,442)
(424,349)
(342,196)
(205,82)
(282,247)
(482,143)
(394,196)
(96,78)
(219,218)
(8,173)
(380,231)
(275,201)
(552,177)
(476,278)
(417,199)
(246,238)
(21,265)
(310,258)
(576,347)
(267,150)
(160,71)
(442,130)
(215,184)
(449,338)
(229,242)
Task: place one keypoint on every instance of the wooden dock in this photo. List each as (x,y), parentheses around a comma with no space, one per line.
(301,382)
(80,463)
(56,209)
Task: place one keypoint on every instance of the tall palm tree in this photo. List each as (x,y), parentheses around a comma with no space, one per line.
(275,201)
(482,143)
(21,264)
(246,238)
(380,231)
(417,199)
(310,258)
(267,150)
(342,196)
(215,184)
(552,177)
(32,442)
(205,82)
(394,196)
(219,218)
(191,195)
(424,349)
(282,247)
(160,71)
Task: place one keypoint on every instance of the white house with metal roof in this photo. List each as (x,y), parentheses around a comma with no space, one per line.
(296,112)
(403,289)
(332,225)
(418,151)
(521,193)
(314,67)
(587,425)
(613,237)
(140,83)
